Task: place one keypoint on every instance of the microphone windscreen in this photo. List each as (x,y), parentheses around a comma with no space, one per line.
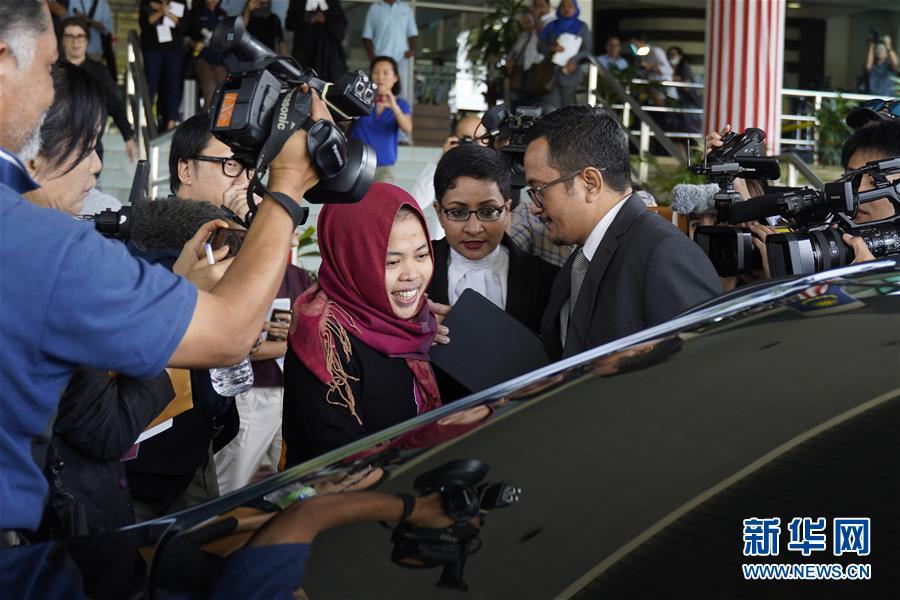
(689,198)
(756,208)
(168,223)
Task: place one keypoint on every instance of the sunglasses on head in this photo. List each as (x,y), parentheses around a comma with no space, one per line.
(889,107)
(873,110)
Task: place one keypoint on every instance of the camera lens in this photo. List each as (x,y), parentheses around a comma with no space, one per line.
(829,249)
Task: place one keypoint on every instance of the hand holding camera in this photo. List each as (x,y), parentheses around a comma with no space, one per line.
(291,171)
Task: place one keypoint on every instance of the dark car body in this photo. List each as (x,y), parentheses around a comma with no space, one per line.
(640,460)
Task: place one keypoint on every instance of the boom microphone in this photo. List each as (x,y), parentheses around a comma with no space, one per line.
(758,167)
(167,224)
(164,224)
(757,208)
(689,198)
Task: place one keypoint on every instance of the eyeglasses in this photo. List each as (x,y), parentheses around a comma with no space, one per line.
(534,191)
(488,213)
(74,37)
(230,166)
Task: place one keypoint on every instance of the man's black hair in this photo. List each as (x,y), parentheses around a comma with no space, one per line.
(21,20)
(77,22)
(585,136)
(471,160)
(395,90)
(73,124)
(882,137)
(190,138)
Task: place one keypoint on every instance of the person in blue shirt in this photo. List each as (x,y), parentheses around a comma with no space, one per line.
(98,16)
(69,297)
(391,115)
(881,65)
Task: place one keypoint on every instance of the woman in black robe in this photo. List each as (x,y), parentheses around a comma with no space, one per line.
(319,27)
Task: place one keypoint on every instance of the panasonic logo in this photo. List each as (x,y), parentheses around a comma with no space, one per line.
(283,112)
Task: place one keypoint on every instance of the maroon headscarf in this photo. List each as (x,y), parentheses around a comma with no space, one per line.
(351,297)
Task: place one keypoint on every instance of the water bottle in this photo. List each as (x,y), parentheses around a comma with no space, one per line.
(234,380)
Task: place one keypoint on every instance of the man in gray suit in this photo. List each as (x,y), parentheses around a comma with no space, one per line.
(632,269)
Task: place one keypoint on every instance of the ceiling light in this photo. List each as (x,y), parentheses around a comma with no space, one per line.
(794,5)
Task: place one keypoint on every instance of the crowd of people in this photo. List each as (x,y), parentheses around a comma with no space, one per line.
(91,325)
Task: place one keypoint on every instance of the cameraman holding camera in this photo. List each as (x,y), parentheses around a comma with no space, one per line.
(70,297)
(881,64)
(879,140)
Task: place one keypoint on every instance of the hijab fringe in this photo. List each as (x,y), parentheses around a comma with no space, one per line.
(340,380)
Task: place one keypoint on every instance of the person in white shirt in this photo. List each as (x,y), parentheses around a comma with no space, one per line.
(655,66)
(472,187)
(423,191)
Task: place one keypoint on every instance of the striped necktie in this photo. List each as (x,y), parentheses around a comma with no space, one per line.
(579,269)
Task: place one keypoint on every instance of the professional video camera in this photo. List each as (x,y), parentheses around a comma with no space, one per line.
(464,501)
(820,218)
(739,156)
(731,249)
(257,108)
(506,132)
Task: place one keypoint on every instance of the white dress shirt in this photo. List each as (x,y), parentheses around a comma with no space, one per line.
(487,276)
(589,249)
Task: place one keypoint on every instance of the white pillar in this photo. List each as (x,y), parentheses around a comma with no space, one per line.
(745,66)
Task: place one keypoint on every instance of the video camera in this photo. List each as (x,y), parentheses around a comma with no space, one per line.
(506,132)
(739,156)
(821,219)
(464,500)
(731,249)
(257,107)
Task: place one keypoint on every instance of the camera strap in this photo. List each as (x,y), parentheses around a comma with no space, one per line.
(292,113)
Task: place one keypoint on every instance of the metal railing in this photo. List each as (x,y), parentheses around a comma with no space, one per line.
(799,132)
(649,126)
(137,97)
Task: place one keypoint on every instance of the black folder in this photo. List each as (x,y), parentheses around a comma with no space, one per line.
(487,346)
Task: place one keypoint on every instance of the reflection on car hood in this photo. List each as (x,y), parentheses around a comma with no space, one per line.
(756,404)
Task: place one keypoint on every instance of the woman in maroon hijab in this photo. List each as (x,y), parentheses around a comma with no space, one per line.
(358,358)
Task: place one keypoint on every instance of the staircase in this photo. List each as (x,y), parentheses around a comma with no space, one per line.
(118,171)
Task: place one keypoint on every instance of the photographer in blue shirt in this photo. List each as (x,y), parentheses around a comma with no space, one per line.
(69,297)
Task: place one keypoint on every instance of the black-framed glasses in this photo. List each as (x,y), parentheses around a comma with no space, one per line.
(230,166)
(486,213)
(70,37)
(534,191)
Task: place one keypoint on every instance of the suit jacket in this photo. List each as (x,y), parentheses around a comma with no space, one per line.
(528,282)
(645,271)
